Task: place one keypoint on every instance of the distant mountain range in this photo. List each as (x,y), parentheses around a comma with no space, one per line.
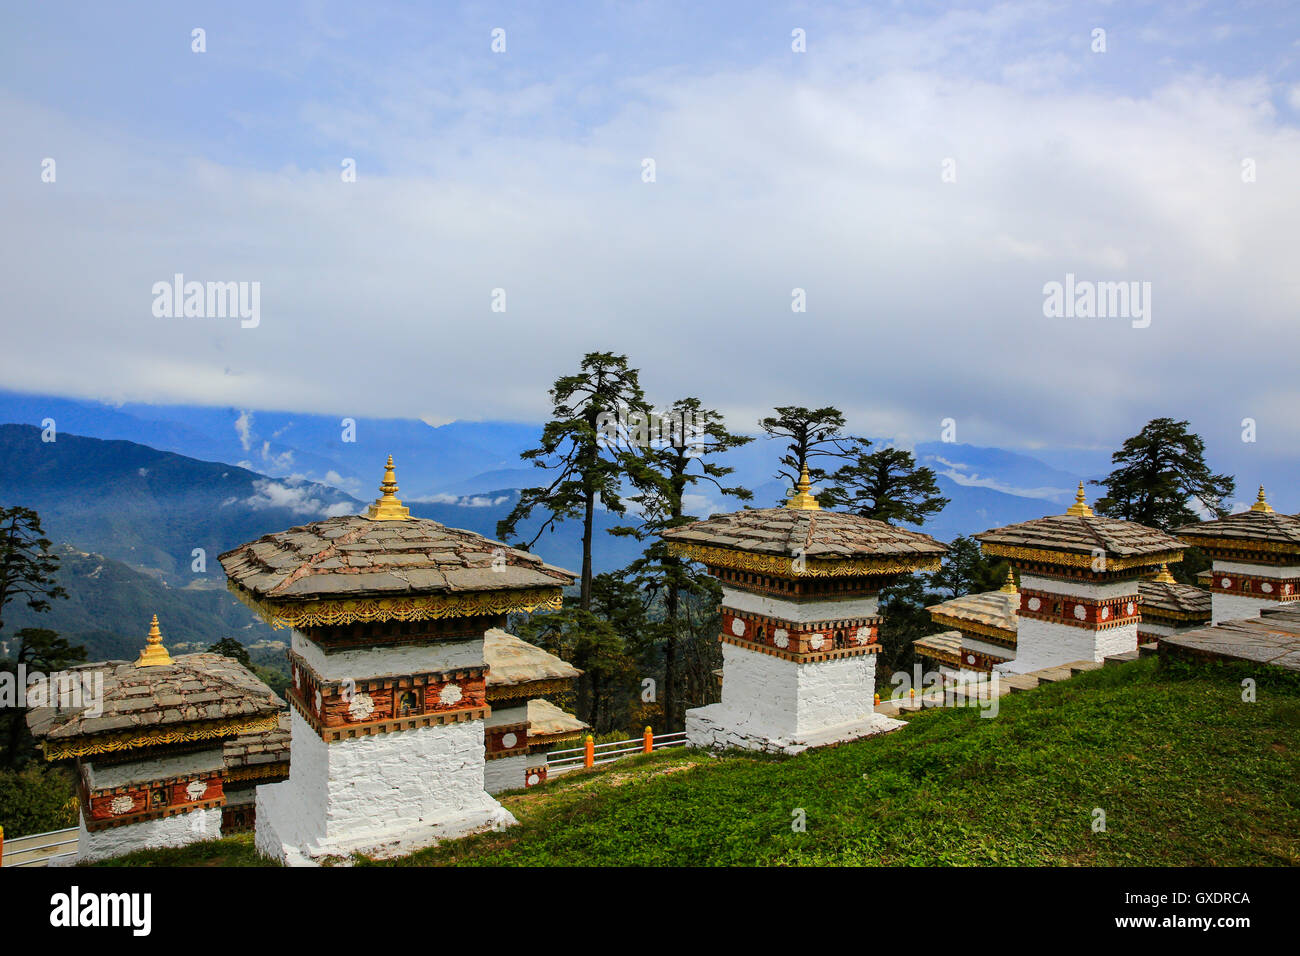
(136,488)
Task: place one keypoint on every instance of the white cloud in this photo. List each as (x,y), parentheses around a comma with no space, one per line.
(297,498)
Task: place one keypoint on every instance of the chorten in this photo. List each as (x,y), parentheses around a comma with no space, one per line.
(150,766)
(1256,559)
(1079,583)
(389,683)
(984,631)
(1169,607)
(800,620)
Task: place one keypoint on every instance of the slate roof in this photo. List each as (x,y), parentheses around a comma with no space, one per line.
(192,688)
(1000,609)
(250,750)
(548,722)
(1181,598)
(512,661)
(352,556)
(1080,534)
(948,643)
(1271,638)
(1249,526)
(817,534)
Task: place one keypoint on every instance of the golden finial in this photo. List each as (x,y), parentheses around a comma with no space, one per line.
(388,507)
(154,654)
(1080,506)
(1164,577)
(1260,504)
(1009,586)
(803,499)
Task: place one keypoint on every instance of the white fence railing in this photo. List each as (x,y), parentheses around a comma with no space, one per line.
(40,849)
(592,754)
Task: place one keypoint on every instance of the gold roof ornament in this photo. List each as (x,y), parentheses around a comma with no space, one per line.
(1261,504)
(802,500)
(388,507)
(1009,586)
(154,654)
(1080,506)
(1164,577)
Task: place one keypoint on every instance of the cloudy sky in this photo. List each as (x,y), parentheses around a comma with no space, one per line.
(1171,158)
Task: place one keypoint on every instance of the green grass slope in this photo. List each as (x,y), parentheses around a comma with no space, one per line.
(1186,772)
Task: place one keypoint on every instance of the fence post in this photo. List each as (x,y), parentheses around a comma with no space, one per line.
(877,700)
(649,740)
(2,845)
(589,752)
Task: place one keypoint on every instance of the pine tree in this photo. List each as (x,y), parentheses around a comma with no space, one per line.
(966,570)
(27,567)
(887,485)
(1162,470)
(812,434)
(574,444)
(681,464)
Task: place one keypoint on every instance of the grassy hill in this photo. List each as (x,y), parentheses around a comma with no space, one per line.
(1186,772)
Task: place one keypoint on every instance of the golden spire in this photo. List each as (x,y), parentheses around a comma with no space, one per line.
(1164,577)
(1260,504)
(154,654)
(388,507)
(1080,506)
(1009,587)
(803,499)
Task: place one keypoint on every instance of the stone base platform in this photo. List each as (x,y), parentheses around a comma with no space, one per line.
(279,835)
(1272,638)
(715,727)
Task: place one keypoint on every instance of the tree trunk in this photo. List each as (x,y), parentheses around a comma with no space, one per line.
(588,521)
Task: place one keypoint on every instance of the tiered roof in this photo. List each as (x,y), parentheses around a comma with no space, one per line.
(826,542)
(191,697)
(386,566)
(519,669)
(1168,598)
(1257,530)
(989,610)
(1073,538)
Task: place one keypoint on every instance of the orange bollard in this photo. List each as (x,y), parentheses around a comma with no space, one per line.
(649,740)
(877,700)
(589,758)
(911,693)
(2,844)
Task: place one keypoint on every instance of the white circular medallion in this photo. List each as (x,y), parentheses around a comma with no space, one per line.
(737,627)
(1129,608)
(450,694)
(1266,587)
(121,805)
(1225,582)
(361,706)
(862,635)
(781,637)
(816,642)
(1105,613)
(318,700)
(1034,604)
(196,789)
(970,658)
(509,740)
(534,780)
(297,678)
(1080,612)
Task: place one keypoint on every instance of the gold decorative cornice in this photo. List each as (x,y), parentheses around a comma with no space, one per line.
(1073,559)
(258,771)
(388,507)
(783,566)
(420,608)
(802,499)
(1080,506)
(1235,549)
(153,654)
(153,737)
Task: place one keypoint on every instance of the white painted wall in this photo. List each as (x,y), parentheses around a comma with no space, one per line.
(1041,644)
(1235,607)
(395,661)
(398,790)
(800,611)
(505,773)
(1083,589)
(175,830)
